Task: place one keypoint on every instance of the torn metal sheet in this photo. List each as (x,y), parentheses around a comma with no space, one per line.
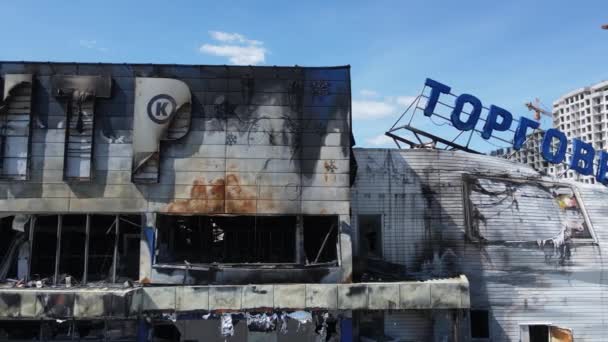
(162,112)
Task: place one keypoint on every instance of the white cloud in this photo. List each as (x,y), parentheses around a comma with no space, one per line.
(372,109)
(405,101)
(232,37)
(380,141)
(368,93)
(369,106)
(236,47)
(91,44)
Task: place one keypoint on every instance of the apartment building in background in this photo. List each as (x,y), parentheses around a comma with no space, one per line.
(582,113)
(529,154)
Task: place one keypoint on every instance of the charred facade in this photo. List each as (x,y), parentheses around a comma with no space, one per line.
(167,202)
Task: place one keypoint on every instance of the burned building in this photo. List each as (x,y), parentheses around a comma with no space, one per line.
(192,203)
(531,246)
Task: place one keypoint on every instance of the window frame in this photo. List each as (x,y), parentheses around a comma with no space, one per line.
(468,220)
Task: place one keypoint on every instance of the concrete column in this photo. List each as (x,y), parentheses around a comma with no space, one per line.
(146,246)
(300,255)
(345,249)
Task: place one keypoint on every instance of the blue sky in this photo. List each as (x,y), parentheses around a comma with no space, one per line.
(504,52)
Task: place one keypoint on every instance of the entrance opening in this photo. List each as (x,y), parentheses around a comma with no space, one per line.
(480,324)
(539,333)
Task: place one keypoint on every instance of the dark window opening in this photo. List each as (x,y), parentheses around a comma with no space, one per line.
(111,254)
(320,239)
(72,251)
(101,247)
(10,244)
(539,333)
(44,248)
(166,332)
(19,330)
(117,330)
(480,324)
(128,248)
(226,239)
(371,325)
(370,235)
(103,241)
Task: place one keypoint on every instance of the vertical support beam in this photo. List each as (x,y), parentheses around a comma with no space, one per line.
(345,255)
(299,250)
(115,257)
(86,249)
(58,248)
(31,247)
(146,246)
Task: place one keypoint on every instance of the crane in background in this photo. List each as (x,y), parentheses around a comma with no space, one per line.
(538,109)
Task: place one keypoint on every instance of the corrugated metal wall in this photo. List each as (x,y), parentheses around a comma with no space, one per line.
(408,326)
(274,139)
(420,195)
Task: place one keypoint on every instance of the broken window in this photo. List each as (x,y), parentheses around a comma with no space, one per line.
(504,210)
(44,248)
(90,248)
(480,324)
(10,245)
(226,239)
(544,333)
(321,238)
(73,247)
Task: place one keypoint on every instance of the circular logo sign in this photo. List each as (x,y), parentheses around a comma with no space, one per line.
(161,108)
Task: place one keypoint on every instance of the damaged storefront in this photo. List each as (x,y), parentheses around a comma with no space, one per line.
(186,203)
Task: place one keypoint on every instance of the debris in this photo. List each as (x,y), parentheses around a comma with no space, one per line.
(261,322)
(19,222)
(207,316)
(39,284)
(68,281)
(170,316)
(302,317)
(226,327)
(321,328)
(562,242)
(283,323)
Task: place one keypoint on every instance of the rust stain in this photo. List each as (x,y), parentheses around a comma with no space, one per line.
(204,198)
(561,335)
(239,199)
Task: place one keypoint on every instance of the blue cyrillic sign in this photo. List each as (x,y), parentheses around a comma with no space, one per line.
(501,120)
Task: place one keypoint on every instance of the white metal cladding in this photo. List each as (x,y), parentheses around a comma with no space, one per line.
(419,194)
